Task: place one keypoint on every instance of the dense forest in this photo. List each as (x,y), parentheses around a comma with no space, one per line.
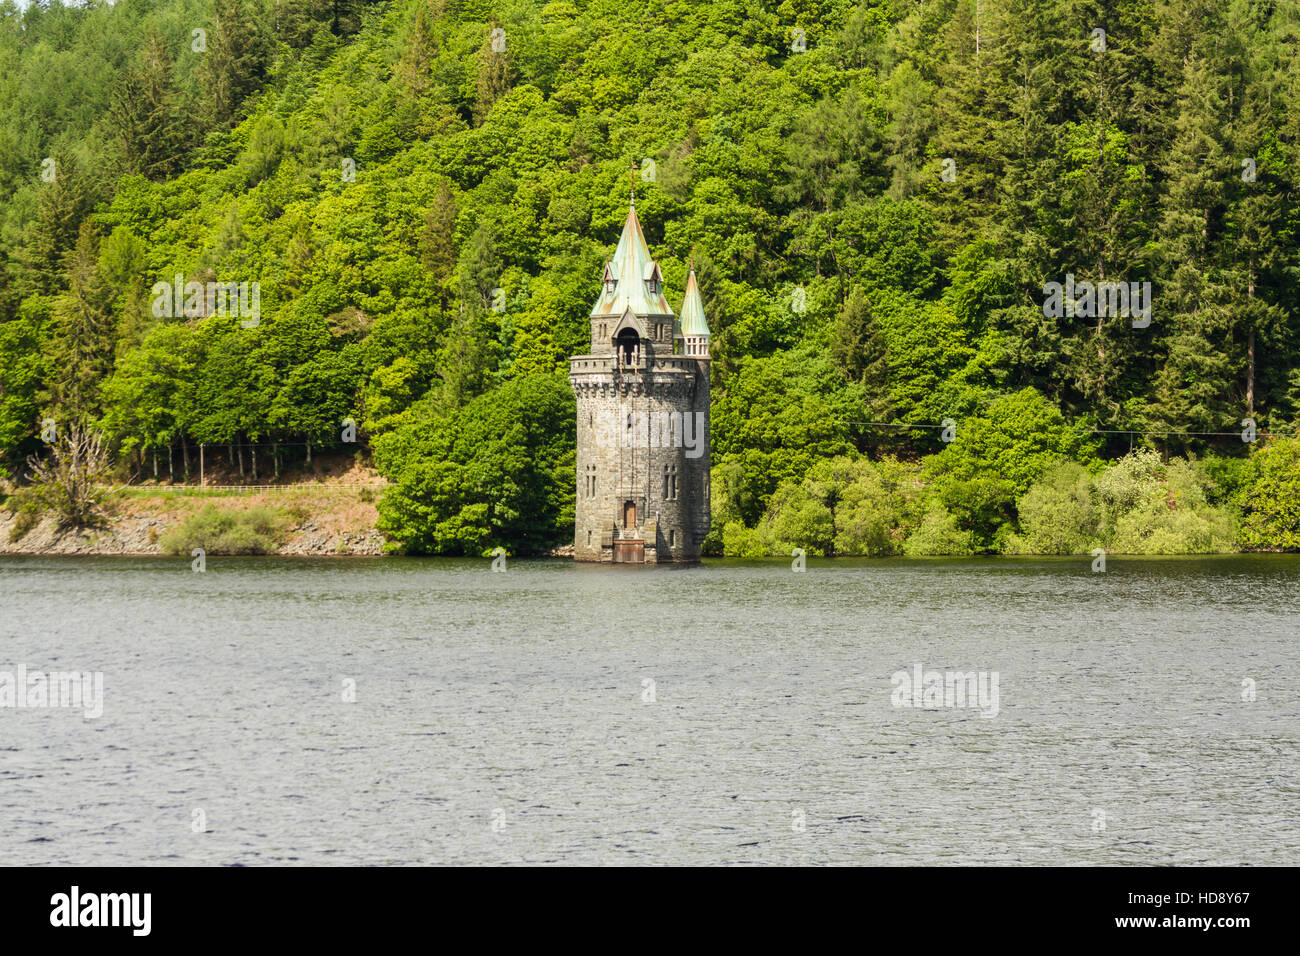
(877,195)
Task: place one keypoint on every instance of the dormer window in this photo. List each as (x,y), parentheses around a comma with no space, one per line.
(654,280)
(609,285)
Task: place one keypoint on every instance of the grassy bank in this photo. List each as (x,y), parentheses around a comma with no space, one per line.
(307,519)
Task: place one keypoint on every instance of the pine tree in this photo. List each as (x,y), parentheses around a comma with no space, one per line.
(83,333)
(236,62)
(1194,390)
(858,350)
(493,72)
(414,68)
(61,207)
(438,238)
(1254,221)
(466,353)
(144,112)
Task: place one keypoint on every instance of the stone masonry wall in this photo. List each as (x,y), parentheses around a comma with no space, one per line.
(624,461)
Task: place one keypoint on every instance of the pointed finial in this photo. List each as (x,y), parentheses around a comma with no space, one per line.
(690,267)
(631,178)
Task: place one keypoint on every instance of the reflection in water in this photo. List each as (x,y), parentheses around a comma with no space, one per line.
(430,711)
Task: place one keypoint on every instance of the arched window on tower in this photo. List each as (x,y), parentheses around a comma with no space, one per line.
(628,347)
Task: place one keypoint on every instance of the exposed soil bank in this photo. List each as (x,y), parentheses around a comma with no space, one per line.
(318,519)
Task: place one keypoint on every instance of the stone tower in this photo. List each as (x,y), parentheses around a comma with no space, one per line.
(643,416)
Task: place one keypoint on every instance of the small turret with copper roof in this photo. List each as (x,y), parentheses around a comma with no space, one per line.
(695,328)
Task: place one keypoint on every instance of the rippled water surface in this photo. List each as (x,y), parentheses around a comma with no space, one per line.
(727,713)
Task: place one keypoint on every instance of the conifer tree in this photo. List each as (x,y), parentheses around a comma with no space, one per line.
(236,61)
(83,333)
(145,115)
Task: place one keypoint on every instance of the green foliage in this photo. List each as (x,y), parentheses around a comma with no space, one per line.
(27,506)
(23,371)
(995,457)
(1227,479)
(983,505)
(938,534)
(1016,438)
(1058,514)
(1149,507)
(1272,503)
(739,541)
(1173,517)
(780,415)
(843,506)
(383,169)
(222,531)
(498,472)
(1123,486)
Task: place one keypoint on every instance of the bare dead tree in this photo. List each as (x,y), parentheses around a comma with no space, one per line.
(71,480)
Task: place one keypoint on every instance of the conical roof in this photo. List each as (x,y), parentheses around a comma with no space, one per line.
(631,268)
(693,321)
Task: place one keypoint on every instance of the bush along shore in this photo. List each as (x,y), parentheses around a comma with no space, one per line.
(950,505)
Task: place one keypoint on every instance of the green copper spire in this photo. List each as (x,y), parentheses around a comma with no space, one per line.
(693,321)
(632,280)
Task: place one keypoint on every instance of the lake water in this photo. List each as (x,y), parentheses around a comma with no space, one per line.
(735,712)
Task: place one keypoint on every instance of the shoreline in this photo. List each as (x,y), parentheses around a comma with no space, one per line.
(315,519)
(139,537)
(130,539)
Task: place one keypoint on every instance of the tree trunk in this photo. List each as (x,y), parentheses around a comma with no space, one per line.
(155,465)
(185,456)
(1101,343)
(252,454)
(275,456)
(309,451)
(171,464)
(1250,346)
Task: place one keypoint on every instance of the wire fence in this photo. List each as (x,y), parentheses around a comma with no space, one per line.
(249,489)
(1261,433)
